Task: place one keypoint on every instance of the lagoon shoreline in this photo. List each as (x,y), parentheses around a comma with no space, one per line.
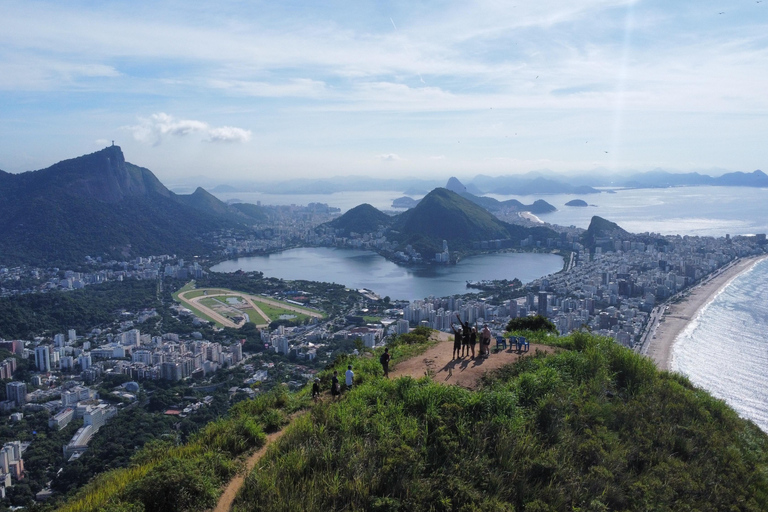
(671,323)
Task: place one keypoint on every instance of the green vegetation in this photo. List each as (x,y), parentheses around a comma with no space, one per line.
(274,312)
(362,219)
(165,477)
(592,427)
(29,315)
(531,323)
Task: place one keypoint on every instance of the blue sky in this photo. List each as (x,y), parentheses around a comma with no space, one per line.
(276,90)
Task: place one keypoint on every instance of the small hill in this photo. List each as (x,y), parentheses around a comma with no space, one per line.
(602,231)
(101,205)
(361,219)
(577,202)
(252,211)
(404,202)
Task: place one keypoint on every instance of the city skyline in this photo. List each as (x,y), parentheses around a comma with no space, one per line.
(291,90)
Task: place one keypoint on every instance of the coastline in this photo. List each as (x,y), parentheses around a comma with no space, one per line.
(667,325)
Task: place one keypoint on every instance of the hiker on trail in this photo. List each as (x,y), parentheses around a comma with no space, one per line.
(466,333)
(485,340)
(473,341)
(316,389)
(384,360)
(350,377)
(456,342)
(335,386)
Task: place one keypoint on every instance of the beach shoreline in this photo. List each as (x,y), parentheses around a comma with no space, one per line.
(666,324)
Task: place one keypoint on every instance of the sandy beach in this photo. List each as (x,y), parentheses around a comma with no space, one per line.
(666,325)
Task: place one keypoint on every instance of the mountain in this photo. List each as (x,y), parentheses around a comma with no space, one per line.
(494,205)
(659,178)
(448,216)
(602,231)
(445,215)
(101,205)
(740,179)
(361,219)
(529,184)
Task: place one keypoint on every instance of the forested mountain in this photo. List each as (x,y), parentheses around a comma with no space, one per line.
(363,218)
(101,205)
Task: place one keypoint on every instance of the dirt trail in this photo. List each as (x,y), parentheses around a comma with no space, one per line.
(465,372)
(227,498)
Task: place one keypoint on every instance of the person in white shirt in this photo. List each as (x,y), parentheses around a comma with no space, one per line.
(350,377)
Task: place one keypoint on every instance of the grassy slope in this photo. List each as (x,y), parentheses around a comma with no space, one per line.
(595,427)
(167,478)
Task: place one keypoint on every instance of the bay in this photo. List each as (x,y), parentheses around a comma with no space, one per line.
(365,269)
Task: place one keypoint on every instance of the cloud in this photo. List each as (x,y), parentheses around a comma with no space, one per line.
(228,134)
(157,127)
(389,157)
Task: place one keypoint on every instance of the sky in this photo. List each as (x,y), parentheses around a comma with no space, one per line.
(248,90)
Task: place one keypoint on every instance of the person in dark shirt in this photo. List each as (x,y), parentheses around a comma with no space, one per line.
(384,360)
(335,386)
(316,390)
(456,342)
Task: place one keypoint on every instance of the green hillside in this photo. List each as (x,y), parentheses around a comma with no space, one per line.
(594,427)
(591,427)
(361,219)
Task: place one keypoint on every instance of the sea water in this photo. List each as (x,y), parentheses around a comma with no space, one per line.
(725,348)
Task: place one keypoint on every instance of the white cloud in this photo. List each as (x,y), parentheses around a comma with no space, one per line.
(157,127)
(228,134)
(389,157)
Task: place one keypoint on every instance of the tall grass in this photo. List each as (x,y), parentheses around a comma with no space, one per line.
(592,427)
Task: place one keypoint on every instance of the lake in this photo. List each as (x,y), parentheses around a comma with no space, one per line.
(366,269)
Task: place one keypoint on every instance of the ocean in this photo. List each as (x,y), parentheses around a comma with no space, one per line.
(725,348)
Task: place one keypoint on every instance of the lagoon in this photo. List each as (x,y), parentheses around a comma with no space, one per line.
(365,269)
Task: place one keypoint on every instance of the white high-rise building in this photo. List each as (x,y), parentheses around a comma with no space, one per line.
(43,358)
(72,335)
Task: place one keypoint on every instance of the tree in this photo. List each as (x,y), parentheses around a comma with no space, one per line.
(531,323)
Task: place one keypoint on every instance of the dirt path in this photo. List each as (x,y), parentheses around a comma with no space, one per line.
(227,498)
(436,361)
(464,372)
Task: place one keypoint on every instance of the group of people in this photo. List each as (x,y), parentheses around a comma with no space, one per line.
(349,377)
(465,338)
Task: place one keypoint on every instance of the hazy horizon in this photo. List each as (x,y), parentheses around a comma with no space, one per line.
(276,91)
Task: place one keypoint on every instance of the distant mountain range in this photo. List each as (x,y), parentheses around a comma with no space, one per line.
(532,183)
(440,215)
(101,205)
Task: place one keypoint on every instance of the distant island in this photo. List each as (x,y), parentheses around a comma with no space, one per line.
(577,202)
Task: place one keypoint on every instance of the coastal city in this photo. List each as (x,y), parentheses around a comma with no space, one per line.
(618,288)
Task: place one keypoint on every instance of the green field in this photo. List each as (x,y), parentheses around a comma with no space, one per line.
(254,316)
(274,313)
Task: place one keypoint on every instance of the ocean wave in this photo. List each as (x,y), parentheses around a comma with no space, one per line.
(725,348)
